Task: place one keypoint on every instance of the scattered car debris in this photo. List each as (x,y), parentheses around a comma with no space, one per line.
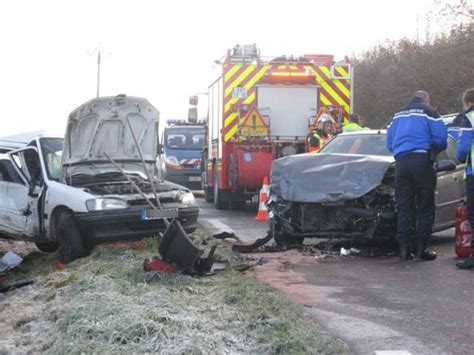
(157,264)
(226,235)
(9,261)
(7,288)
(349,252)
(241,248)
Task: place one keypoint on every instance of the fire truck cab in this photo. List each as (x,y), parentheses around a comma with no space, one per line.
(261,109)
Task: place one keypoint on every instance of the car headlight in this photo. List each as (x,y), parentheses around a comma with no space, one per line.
(187,198)
(172,162)
(100,204)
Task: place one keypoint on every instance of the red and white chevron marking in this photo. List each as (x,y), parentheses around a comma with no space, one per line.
(190,161)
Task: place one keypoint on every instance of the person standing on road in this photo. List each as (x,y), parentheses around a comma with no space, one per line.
(465,152)
(415,133)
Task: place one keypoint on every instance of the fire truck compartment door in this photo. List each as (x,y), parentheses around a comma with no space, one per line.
(290,108)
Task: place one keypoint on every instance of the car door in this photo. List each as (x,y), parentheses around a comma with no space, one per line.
(10,181)
(22,211)
(449,190)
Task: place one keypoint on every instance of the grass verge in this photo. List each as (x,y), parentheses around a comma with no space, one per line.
(105,303)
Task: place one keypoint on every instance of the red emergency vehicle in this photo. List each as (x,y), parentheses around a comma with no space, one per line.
(259,110)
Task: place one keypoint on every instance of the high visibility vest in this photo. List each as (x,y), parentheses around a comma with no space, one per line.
(317,148)
(352,127)
(470,117)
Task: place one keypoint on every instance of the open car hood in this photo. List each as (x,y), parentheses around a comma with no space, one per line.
(100,127)
(323,177)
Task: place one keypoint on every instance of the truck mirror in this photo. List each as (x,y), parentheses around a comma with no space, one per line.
(193,100)
(192,115)
(159,148)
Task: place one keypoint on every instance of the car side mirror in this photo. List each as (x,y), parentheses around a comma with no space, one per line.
(159,148)
(444,165)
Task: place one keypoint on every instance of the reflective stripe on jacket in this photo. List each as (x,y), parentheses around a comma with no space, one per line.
(314,142)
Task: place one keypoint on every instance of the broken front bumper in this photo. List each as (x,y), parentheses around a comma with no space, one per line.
(118,225)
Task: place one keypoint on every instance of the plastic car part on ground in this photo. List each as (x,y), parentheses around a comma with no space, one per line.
(9,261)
(349,252)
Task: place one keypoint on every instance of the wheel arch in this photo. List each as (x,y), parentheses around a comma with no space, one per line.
(54,220)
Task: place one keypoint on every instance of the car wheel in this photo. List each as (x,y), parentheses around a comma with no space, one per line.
(47,247)
(218,202)
(70,238)
(208,196)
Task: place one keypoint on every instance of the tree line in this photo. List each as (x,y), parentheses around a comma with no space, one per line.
(386,76)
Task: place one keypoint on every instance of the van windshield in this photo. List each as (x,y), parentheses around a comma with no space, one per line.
(184,138)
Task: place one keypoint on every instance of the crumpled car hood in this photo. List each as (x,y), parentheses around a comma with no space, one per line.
(100,127)
(317,178)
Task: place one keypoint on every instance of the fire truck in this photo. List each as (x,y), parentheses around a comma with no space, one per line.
(261,109)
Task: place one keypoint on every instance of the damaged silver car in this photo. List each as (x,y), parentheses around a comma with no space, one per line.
(347,190)
(68,194)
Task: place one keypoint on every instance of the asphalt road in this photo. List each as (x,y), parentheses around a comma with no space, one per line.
(378,304)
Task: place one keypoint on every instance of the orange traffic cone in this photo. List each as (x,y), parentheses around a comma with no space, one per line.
(262,213)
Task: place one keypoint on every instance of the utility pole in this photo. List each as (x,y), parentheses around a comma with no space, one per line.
(99,50)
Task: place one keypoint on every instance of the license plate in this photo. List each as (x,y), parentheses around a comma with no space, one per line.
(194,178)
(157,214)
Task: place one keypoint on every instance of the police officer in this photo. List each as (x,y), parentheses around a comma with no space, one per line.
(465,153)
(414,134)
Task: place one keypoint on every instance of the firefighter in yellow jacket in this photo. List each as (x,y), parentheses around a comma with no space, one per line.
(317,137)
(354,124)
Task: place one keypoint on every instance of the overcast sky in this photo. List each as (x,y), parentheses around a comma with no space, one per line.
(164,50)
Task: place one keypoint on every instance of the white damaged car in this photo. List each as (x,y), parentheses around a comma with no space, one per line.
(67,194)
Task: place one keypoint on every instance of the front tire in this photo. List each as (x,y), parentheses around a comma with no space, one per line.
(284,238)
(69,237)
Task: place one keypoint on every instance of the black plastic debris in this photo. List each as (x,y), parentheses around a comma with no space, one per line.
(177,248)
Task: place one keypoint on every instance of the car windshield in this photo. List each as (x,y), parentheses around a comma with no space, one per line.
(52,149)
(185,138)
(365,144)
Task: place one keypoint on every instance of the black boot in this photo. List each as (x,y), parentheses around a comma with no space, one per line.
(424,254)
(467,263)
(405,253)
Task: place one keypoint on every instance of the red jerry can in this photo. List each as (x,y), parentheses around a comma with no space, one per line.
(463,234)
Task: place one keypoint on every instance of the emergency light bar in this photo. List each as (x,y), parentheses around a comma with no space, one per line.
(170,122)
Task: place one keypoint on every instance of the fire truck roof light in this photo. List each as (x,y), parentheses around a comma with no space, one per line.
(171,122)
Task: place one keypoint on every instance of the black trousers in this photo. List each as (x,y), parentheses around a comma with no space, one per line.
(414,193)
(470,201)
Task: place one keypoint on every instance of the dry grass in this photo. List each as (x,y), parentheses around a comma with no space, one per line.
(105,303)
